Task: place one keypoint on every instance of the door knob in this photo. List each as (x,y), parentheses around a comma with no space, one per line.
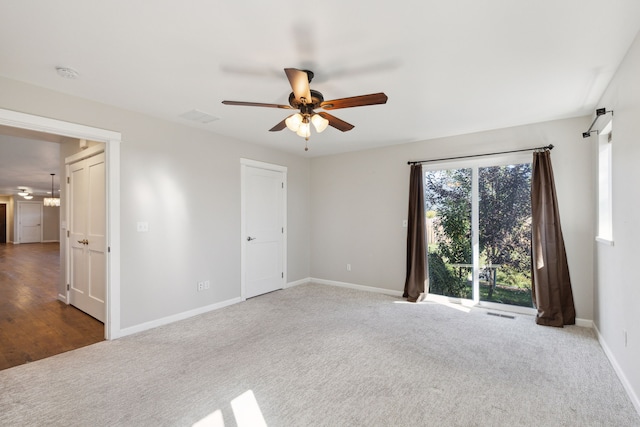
(83,241)
(250,238)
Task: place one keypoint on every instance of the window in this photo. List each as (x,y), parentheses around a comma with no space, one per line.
(605,220)
(479,231)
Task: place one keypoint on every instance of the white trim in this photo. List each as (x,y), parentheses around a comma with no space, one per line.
(263,165)
(298,282)
(604,241)
(244,163)
(619,371)
(112,142)
(177,317)
(84,154)
(357,287)
(57,127)
(585,323)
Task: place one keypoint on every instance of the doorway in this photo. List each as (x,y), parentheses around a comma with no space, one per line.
(3,223)
(263,229)
(31,123)
(29,222)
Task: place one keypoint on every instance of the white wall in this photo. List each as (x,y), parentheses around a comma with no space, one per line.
(186,183)
(359,200)
(617,290)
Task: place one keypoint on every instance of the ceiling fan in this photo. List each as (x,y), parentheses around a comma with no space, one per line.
(306,100)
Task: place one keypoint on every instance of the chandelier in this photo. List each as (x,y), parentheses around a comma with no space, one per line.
(52,201)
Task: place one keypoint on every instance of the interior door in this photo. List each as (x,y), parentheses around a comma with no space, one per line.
(30,221)
(87,235)
(3,223)
(264,230)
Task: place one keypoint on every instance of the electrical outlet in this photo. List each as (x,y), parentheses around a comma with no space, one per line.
(200,286)
(207,284)
(348,267)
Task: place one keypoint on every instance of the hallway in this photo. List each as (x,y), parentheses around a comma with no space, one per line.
(34,324)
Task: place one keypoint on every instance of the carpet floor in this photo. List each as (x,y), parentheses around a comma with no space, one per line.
(316,355)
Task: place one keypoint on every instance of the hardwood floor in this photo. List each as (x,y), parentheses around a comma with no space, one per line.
(34,324)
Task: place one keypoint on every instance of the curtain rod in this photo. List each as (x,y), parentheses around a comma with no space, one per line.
(547,147)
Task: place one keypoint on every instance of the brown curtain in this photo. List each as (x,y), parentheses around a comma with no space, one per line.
(414,284)
(551,285)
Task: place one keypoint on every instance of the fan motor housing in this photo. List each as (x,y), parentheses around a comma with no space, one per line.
(316,100)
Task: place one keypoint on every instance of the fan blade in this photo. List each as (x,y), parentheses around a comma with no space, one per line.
(355,101)
(299,81)
(257,104)
(279,126)
(336,122)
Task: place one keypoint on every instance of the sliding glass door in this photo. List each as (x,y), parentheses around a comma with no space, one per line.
(479,232)
(448,211)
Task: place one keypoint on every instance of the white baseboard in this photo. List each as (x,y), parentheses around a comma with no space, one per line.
(358,287)
(62,298)
(298,282)
(619,372)
(585,323)
(174,318)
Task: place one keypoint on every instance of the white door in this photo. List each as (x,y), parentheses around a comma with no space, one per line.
(263,231)
(87,235)
(30,220)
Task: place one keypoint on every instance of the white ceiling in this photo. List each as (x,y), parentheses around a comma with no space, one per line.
(448,67)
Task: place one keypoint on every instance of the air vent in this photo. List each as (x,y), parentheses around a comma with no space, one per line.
(500,315)
(199,116)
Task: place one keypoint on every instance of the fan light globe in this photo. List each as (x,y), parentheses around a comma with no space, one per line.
(304,130)
(28,197)
(319,122)
(293,122)
(22,193)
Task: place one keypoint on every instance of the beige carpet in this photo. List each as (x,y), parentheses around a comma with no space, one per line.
(317,355)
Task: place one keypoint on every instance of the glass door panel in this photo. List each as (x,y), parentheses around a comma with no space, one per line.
(505,234)
(448,216)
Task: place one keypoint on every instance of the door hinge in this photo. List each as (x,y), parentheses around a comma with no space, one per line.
(282,275)
(109,249)
(68,233)
(68,180)
(282,184)
(282,230)
(68,287)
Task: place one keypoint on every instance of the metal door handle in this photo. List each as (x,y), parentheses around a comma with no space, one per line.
(83,241)
(250,238)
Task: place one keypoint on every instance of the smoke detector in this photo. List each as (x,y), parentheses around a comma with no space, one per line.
(67,72)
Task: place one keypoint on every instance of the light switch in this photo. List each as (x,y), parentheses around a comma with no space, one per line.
(143,226)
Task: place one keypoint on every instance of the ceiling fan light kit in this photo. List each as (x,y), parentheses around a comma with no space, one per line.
(305,99)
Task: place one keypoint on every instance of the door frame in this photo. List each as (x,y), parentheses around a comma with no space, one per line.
(112,142)
(19,218)
(244,164)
